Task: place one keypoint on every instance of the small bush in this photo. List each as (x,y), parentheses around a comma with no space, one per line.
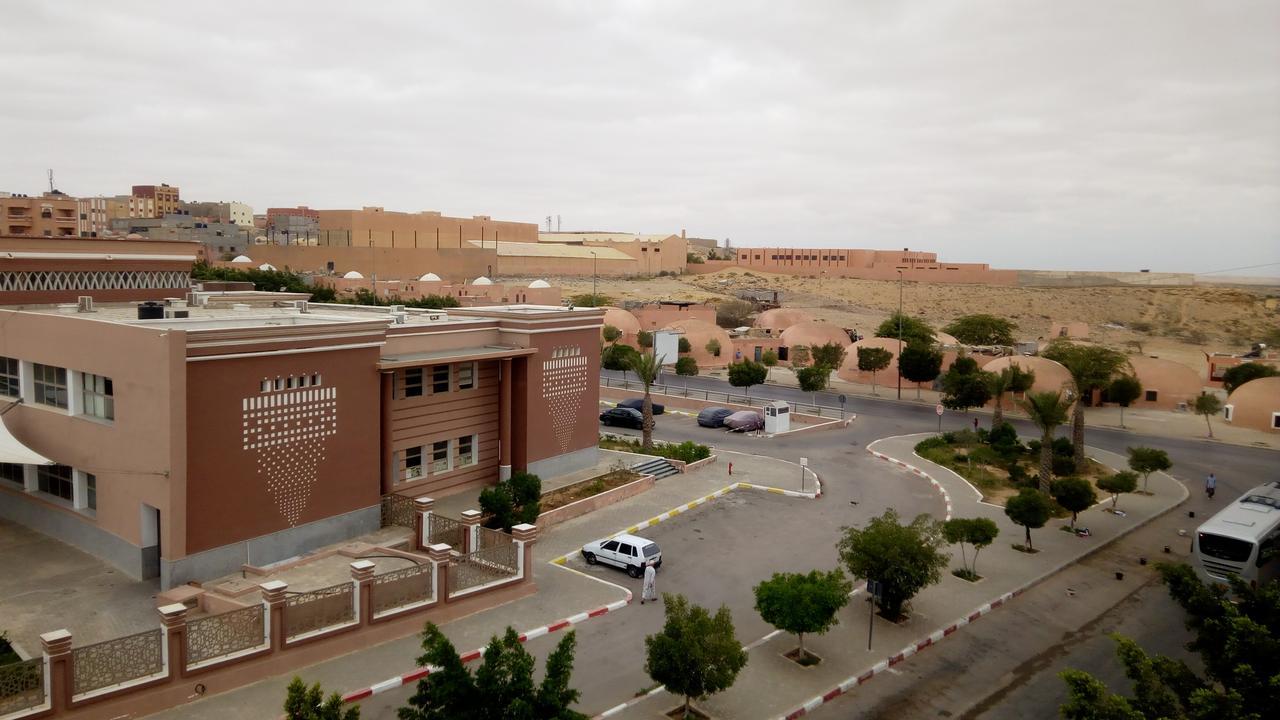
(985,455)
(1017,475)
(1062,447)
(1063,466)
(687,451)
(1002,435)
(931,443)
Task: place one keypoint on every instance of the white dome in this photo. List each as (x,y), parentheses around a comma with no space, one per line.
(261,240)
(242,259)
(267,266)
(429,277)
(539,284)
(482,280)
(352,275)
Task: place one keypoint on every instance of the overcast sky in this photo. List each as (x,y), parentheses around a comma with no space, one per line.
(1075,135)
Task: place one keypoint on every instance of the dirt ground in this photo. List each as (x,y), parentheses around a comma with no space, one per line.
(1177,323)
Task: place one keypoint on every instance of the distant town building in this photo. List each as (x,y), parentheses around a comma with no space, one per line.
(91,216)
(218,239)
(288,226)
(166,197)
(53,214)
(859,263)
(130,206)
(234,213)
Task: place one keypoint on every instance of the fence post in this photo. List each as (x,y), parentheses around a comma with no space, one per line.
(59,679)
(439,554)
(422,521)
(524,536)
(273,597)
(362,577)
(471,531)
(173,627)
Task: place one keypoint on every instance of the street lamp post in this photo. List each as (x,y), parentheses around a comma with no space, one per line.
(595,299)
(899,358)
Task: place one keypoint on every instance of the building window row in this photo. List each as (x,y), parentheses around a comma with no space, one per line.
(440,457)
(291,382)
(414,382)
(57,482)
(51,386)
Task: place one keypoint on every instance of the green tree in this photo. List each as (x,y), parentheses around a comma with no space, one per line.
(683,345)
(644,339)
(769,359)
(646,368)
(1145,460)
(829,355)
(1092,367)
(686,366)
(920,363)
(914,330)
(1012,379)
(1030,509)
(965,385)
(978,532)
(734,313)
(1047,410)
(309,703)
(980,329)
(502,686)
(693,258)
(802,604)
(813,380)
(1240,374)
(800,356)
(611,334)
(1123,390)
(617,357)
(713,347)
(1125,481)
(1075,495)
(746,373)
(873,360)
(513,501)
(1237,639)
(905,559)
(1208,406)
(590,300)
(697,654)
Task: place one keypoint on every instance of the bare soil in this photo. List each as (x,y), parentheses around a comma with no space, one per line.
(587,488)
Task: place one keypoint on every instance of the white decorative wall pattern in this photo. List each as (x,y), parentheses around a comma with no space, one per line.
(288,430)
(564,381)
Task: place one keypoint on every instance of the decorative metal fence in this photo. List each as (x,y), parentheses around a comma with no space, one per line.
(223,634)
(21,685)
(492,538)
(398,510)
(117,661)
(405,586)
(482,567)
(318,609)
(445,530)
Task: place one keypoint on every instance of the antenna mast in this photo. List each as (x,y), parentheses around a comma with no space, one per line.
(50,179)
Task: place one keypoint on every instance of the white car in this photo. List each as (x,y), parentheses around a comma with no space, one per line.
(628,552)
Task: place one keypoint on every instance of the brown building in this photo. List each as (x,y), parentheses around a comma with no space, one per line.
(376,227)
(50,215)
(166,198)
(184,439)
(130,206)
(40,270)
(859,263)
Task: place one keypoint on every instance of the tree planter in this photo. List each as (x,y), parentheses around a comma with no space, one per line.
(803,658)
(678,713)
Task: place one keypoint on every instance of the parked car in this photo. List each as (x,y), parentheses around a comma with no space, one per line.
(623,417)
(713,417)
(628,552)
(744,421)
(638,404)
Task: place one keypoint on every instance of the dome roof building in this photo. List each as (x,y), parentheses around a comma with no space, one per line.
(268,267)
(814,332)
(539,284)
(429,277)
(624,321)
(352,275)
(779,319)
(1255,405)
(482,280)
(1165,384)
(1050,376)
(242,259)
(699,333)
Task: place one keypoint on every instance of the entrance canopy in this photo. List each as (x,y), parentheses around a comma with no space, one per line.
(13,451)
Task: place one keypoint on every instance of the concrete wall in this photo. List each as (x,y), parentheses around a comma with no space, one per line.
(453,265)
(378,227)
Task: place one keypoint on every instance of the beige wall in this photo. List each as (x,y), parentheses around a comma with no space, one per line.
(400,229)
(40,216)
(657,316)
(452,265)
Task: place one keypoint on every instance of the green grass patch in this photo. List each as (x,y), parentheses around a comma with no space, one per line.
(687,451)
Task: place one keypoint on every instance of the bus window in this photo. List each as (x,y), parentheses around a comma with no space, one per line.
(1268,550)
(1225,548)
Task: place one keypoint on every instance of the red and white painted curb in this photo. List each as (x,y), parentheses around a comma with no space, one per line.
(946,496)
(854,681)
(419,673)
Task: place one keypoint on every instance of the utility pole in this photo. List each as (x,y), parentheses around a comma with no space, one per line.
(594,298)
(899,358)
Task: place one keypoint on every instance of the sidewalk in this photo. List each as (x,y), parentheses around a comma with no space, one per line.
(772,686)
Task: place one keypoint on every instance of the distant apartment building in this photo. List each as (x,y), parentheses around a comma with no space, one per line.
(129,206)
(233,213)
(218,239)
(287,226)
(91,216)
(166,197)
(50,215)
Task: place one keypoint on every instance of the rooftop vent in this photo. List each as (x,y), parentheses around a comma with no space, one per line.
(84,304)
(399,318)
(150,310)
(397,309)
(303,306)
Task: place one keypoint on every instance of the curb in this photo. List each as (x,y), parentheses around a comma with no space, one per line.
(946,496)
(419,673)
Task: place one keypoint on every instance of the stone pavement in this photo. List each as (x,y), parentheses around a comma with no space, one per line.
(772,686)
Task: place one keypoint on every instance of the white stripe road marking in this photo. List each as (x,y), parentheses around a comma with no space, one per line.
(537,633)
(386,685)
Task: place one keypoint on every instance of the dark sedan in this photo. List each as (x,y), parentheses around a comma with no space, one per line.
(622,417)
(637,404)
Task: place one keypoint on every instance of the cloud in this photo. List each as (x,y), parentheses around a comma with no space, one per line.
(1024,134)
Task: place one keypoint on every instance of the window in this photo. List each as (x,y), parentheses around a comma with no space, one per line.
(1227,411)
(51,385)
(10,382)
(411,383)
(610,546)
(439,379)
(1151,395)
(1268,549)
(1225,548)
(1275,421)
(625,549)
(413,462)
(440,456)
(466,451)
(55,480)
(466,376)
(99,397)
(14,473)
(91,491)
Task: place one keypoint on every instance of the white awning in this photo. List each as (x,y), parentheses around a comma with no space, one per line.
(13,451)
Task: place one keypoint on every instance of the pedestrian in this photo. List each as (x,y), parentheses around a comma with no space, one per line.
(1210,485)
(975,424)
(650,590)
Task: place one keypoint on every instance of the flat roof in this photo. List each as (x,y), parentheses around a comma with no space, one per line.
(480,352)
(550,249)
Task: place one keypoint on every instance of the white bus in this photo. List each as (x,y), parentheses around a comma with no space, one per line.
(1243,540)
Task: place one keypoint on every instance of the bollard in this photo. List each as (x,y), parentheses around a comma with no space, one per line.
(730,468)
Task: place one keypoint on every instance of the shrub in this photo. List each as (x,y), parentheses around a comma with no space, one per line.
(687,451)
(686,366)
(1017,475)
(931,443)
(985,455)
(1062,447)
(683,345)
(1063,466)
(513,501)
(1003,435)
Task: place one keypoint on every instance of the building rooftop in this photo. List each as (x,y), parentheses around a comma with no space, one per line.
(569,237)
(552,250)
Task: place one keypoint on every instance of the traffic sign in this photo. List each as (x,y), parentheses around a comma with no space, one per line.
(842,399)
(938,409)
(804,462)
(874,588)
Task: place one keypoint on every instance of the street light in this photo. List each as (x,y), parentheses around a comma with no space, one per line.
(899,358)
(595,299)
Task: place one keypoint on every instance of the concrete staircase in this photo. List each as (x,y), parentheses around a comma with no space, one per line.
(658,467)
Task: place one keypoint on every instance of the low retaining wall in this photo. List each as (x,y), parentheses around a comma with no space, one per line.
(581,507)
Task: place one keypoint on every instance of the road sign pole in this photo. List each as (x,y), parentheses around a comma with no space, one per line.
(871,613)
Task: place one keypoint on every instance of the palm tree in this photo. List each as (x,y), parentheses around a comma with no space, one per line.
(1047,410)
(1012,379)
(646,368)
(1091,368)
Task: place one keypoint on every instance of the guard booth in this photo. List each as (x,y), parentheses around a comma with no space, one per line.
(777,417)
